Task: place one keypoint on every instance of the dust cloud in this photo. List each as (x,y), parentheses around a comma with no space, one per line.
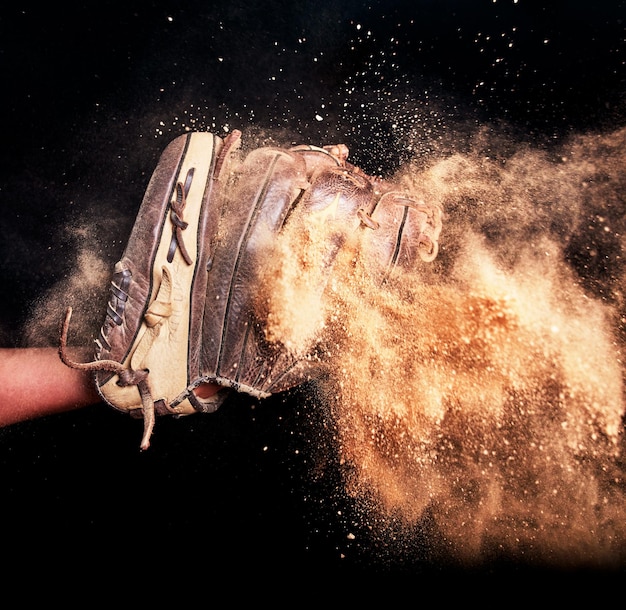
(482,391)
(485,390)
(85,289)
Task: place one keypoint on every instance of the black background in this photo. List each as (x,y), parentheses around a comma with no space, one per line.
(92,92)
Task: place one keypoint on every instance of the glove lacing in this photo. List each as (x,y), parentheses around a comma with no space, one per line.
(127,377)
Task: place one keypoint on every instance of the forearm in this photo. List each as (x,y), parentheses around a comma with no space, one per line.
(34,382)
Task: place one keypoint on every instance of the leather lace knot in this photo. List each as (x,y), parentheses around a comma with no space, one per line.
(176,216)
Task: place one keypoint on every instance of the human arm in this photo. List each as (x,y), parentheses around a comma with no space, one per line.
(34,383)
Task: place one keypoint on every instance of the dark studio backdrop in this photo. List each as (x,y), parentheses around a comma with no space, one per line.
(92,93)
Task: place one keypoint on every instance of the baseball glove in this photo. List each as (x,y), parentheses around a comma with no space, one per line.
(190,299)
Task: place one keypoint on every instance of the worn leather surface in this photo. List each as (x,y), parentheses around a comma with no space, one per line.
(149,301)
(196,310)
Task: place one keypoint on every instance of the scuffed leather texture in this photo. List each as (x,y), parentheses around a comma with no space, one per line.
(233,345)
(141,273)
(220,293)
(273,191)
(138,258)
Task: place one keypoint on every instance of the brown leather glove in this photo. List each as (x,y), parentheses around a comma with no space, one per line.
(219,239)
